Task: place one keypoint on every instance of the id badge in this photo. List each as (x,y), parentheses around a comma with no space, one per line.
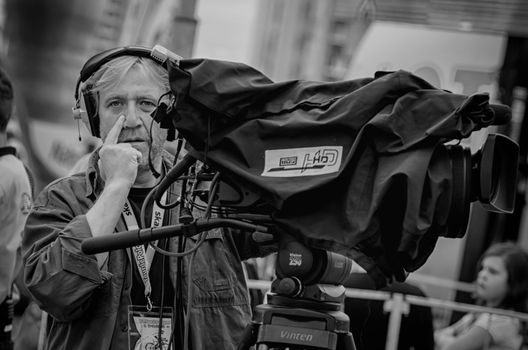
(145,328)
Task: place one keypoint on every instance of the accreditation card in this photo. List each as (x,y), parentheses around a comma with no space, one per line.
(146,332)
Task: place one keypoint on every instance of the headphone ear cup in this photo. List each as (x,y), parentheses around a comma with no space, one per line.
(91,103)
(77,112)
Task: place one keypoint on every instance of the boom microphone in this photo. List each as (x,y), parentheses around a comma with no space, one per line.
(124,239)
(136,237)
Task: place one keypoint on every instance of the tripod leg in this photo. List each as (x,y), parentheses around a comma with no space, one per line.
(345,341)
(249,337)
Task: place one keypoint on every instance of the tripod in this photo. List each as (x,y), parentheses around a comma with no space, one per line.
(294,318)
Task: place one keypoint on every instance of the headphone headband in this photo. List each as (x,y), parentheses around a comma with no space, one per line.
(158,53)
(95,62)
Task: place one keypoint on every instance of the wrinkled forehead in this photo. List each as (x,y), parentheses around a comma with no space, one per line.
(125,69)
(137,77)
(134,82)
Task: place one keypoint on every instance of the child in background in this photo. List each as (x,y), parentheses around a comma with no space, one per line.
(502,282)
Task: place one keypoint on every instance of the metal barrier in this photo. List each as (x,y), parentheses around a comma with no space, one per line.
(441,282)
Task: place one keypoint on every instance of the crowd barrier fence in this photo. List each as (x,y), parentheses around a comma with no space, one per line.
(397,304)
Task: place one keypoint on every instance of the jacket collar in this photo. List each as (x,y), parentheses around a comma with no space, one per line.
(4,151)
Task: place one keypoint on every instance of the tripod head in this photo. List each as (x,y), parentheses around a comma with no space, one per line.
(302,271)
(305,302)
(310,265)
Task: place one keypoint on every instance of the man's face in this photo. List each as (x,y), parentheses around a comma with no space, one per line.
(135,97)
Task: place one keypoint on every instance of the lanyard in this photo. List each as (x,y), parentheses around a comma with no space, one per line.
(144,258)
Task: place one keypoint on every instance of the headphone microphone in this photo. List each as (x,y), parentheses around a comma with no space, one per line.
(77,111)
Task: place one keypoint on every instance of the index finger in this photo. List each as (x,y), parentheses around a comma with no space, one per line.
(113,134)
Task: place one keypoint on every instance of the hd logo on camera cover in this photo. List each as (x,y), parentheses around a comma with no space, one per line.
(305,161)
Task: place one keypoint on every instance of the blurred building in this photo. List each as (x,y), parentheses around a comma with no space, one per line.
(313,39)
(308,39)
(45,44)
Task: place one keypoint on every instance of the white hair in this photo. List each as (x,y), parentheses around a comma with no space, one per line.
(112,73)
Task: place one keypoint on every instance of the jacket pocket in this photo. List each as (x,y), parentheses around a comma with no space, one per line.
(217,275)
(213,293)
(103,296)
(82,266)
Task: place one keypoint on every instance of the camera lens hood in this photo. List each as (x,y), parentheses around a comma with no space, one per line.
(457,221)
(498,166)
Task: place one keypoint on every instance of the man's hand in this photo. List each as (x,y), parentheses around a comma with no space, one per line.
(118,161)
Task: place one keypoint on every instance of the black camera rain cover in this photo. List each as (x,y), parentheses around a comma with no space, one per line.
(357,167)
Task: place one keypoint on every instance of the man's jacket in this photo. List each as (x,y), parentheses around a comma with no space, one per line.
(88,307)
(358,167)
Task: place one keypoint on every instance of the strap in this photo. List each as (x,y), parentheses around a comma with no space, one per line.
(142,257)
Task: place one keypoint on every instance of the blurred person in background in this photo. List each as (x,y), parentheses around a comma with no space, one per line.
(502,282)
(14,139)
(96,301)
(369,321)
(27,315)
(15,204)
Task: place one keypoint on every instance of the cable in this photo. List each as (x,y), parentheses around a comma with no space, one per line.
(162,299)
(189,299)
(212,193)
(208,142)
(200,240)
(179,145)
(178,296)
(151,165)
(172,176)
(201,237)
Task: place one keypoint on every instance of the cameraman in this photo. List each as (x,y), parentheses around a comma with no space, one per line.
(100,302)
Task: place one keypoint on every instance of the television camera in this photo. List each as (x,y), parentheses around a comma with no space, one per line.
(369,170)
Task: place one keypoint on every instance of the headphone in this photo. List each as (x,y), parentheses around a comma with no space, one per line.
(158,54)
